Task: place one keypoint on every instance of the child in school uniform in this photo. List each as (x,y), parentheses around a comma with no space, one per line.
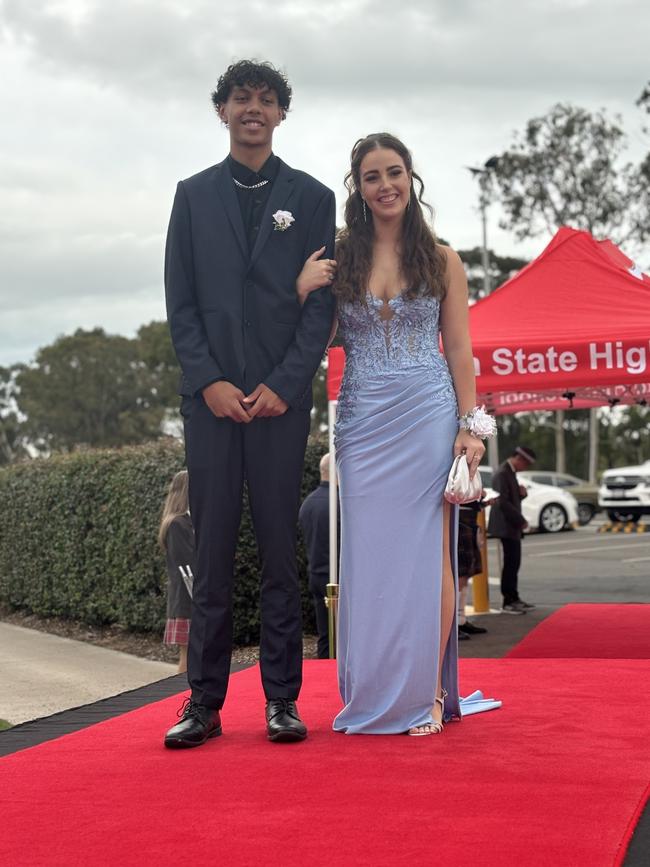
(176,538)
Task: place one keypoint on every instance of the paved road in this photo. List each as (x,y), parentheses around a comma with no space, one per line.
(581,566)
(41,673)
(575,566)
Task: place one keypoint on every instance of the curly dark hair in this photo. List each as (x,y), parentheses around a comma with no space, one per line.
(254,74)
(423,260)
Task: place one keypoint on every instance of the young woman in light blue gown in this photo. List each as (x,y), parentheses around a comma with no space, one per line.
(397,432)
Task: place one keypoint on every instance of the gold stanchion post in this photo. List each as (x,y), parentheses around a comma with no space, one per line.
(480,585)
(332,602)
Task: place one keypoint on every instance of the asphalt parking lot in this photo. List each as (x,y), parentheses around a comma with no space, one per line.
(580,565)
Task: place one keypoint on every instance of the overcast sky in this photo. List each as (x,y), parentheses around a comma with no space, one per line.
(105,105)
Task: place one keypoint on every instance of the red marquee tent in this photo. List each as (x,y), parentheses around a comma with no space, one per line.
(575,321)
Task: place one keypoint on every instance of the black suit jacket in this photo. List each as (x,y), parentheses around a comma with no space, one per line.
(506,520)
(180,555)
(314,520)
(235,315)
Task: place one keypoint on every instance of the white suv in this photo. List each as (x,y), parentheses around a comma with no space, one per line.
(625,492)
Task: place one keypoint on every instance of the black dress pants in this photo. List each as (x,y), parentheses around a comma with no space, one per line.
(510,571)
(221,454)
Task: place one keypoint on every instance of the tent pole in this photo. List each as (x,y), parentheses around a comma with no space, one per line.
(560,445)
(593,444)
(493,451)
(480,581)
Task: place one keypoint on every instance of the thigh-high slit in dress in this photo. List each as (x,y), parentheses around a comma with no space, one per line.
(396,424)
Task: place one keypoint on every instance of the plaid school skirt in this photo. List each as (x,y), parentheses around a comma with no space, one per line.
(177,631)
(469,554)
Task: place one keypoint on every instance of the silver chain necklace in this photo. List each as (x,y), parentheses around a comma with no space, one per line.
(251,186)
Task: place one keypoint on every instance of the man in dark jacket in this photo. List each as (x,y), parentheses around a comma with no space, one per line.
(314,517)
(507,523)
(238,237)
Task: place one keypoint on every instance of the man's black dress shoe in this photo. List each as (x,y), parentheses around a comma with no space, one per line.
(283,723)
(198,723)
(471,629)
(462,636)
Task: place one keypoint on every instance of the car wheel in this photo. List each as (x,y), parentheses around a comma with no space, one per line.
(552,518)
(585,513)
(623,515)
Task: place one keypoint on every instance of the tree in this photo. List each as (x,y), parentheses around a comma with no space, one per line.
(502,268)
(643,175)
(565,169)
(156,351)
(89,388)
(12,440)
(626,438)
(539,430)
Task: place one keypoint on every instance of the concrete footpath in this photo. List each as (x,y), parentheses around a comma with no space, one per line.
(41,674)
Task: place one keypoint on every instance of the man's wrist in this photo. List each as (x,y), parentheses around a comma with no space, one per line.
(208,384)
(276,392)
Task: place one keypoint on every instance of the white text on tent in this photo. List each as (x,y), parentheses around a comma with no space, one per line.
(609,354)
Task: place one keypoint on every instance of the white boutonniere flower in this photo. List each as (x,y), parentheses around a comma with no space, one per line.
(282,220)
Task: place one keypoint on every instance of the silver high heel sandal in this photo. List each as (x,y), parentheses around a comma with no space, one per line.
(432,728)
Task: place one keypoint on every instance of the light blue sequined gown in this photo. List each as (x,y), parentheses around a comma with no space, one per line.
(396,424)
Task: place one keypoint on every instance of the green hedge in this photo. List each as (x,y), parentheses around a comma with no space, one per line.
(78,539)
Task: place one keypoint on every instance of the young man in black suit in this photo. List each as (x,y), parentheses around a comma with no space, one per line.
(238,237)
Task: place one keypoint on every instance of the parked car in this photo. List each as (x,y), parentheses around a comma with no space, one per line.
(585,493)
(546,508)
(625,492)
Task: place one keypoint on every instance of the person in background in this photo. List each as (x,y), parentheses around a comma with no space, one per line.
(314,518)
(508,524)
(176,538)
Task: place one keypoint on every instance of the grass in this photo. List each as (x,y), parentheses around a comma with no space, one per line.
(4,725)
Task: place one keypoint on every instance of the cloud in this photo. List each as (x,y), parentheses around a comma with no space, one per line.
(104,266)
(167,48)
(106,105)
(117,315)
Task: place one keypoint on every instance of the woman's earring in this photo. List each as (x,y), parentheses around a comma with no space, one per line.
(365,214)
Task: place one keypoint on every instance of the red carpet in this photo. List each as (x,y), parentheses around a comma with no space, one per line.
(589,632)
(556,777)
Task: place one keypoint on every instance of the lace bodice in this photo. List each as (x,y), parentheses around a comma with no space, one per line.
(386,341)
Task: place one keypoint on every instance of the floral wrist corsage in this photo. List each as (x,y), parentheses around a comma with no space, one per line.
(479,423)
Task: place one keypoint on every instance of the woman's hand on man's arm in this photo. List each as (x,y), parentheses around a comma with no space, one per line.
(315,274)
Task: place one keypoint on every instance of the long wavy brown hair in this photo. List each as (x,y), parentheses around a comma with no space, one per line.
(176,503)
(423,260)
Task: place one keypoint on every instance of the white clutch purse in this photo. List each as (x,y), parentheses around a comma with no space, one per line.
(459,488)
